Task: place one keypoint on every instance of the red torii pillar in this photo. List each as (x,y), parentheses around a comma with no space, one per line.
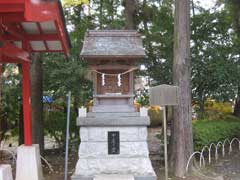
(12,54)
(26,100)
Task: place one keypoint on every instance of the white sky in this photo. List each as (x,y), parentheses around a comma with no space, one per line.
(207,4)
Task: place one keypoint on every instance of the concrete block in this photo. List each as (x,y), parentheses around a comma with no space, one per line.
(146,177)
(113,108)
(113,121)
(99,134)
(144,112)
(114,177)
(82,112)
(113,114)
(127,150)
(5,172)
(114,165)
(29,163)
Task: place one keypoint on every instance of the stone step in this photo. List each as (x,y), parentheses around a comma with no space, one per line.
(5,172)
(114,177)
(113,121)
(113,114)
(113,108)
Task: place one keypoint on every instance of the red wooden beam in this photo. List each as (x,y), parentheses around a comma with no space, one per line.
(12,51)
(63,38)
(12,1)
(12,30)
(40,11)
(26,104)
(12,17)
(33,37)
(41,33)
(49,51)
(6,60)
(8,7)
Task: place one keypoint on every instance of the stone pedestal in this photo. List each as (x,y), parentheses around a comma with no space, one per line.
(114,177)
(113,136)
(124,154)
(5,172)
(29,163)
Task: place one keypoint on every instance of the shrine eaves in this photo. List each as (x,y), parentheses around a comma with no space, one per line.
(31,26)
(28,26)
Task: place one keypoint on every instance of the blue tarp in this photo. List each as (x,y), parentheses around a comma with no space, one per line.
(47,99)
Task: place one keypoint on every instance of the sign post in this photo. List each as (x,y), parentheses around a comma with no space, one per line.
(165,143)
(164,95)
(67,136)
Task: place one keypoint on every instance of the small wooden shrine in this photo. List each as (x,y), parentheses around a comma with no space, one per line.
(113,136)
(112,56)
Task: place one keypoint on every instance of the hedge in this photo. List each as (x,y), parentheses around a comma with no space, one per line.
(206,132)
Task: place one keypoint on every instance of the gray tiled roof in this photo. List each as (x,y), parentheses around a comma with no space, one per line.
(113,43)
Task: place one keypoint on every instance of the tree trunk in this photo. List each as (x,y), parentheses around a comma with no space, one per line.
(36,101)
(3,121)
(1,75)
(1,86)
(236,22)
(237,104)
(101,15)
(20,118)
(182,140)
(130,13)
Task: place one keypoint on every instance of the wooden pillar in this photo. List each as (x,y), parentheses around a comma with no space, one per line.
(95,85)
(26,103)
(131,87)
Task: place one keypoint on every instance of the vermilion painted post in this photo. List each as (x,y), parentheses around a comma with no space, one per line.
(26,103)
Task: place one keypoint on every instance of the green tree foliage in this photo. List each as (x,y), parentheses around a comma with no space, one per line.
(69,3)
(233,8)
(156,24)
(214,70)
(10,102)
(215,52)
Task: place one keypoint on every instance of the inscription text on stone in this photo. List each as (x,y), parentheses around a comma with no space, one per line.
(113,142)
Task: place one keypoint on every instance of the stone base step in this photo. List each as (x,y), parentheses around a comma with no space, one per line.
(113,121)
(5,172)
(147,177)
(113,114)
(114,177)
(113,108)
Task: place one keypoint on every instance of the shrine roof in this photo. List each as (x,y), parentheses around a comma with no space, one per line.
(113,43)
(39,23)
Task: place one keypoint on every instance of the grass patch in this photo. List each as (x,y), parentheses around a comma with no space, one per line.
(211,131)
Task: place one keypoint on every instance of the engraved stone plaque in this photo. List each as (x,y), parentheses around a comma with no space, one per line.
(113,142)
